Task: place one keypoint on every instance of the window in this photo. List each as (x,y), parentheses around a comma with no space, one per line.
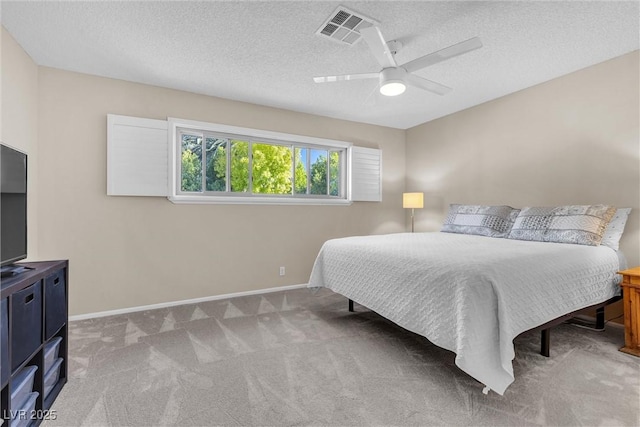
(254,166)
(196,162)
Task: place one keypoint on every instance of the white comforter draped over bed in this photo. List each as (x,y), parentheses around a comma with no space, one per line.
(469,294)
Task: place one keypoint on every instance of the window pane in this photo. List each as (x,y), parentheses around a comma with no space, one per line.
(271,172)
(318,171)
(334,173)
(191,163)
(239,166)
(216,155)
(302,170)
(216,164)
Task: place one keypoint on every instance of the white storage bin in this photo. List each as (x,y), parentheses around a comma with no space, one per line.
(23,416)
(51,350)
(22,385)
(51,377)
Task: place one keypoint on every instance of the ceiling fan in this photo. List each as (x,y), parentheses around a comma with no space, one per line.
(394,78)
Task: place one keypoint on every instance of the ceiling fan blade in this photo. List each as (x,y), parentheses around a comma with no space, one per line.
(428,85)
(329,79)
(378,46)
(443,54)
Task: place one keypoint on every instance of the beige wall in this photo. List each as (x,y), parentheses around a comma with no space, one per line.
(132,251)
(572,140)
(19,120)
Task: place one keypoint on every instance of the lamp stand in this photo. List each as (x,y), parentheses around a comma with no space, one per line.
(412,219)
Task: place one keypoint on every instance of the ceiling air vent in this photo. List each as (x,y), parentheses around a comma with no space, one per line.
(343,26)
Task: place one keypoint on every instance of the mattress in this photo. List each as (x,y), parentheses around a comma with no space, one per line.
(468,294)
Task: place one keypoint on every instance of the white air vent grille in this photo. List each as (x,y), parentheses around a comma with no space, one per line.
(340,17)
(329,29)
(343,26)
(352,22)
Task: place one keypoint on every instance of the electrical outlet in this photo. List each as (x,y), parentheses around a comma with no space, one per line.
(282,271)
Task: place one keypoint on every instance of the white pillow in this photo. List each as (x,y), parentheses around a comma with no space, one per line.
(613,232)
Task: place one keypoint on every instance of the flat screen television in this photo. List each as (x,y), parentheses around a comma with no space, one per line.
(13,207)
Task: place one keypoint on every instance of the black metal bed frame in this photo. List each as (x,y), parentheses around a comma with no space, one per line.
(545,329)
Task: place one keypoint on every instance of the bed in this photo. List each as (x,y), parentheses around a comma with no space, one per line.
(470,294)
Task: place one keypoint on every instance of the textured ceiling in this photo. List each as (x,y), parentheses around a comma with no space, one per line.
(267,52)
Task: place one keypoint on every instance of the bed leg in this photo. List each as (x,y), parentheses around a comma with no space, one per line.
(600,318)
(351,305)
(545,342)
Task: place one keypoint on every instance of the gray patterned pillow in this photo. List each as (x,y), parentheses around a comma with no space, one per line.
(578,224)
(490,221)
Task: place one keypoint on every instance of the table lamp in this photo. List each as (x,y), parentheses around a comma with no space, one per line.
(412,201)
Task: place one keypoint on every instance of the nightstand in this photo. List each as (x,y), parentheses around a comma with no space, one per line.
(631,300)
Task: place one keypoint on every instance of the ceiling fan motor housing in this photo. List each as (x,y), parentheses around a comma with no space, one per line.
(391,74)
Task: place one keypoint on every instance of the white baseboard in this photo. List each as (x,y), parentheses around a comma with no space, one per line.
(592,319)
(182,302)
(614,324)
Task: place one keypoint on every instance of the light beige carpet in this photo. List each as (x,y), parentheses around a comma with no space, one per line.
(297,358)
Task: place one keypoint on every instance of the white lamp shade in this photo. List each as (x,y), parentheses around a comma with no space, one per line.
(413,200)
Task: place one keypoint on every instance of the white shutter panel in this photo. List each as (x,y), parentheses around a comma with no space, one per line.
(137,151)
(366,174)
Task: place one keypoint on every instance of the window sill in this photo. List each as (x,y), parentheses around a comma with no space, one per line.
(226,200)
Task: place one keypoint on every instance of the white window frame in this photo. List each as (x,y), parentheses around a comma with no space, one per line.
(257,135)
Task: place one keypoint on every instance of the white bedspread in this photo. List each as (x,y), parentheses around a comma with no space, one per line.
(469,294)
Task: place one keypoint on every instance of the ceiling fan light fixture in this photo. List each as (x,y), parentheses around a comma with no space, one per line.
(392,81)
(393,88)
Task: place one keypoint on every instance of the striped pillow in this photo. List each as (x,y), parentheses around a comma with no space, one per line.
(490,221)
(578,224)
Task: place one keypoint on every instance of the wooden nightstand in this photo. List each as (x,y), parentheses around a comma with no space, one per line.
(631,300)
